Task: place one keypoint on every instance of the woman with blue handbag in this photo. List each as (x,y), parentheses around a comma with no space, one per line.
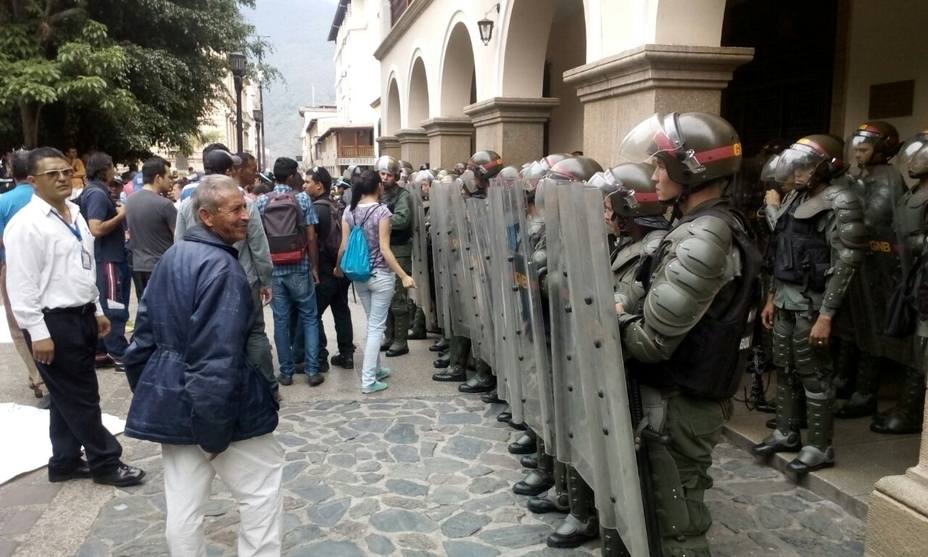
(366,259)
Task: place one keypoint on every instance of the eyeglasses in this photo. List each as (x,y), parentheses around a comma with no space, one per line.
(57,174)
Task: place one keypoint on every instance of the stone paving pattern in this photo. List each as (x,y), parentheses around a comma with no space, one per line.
(431,476)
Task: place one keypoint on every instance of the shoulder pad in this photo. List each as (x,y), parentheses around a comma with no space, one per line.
(918,198)
(842,198)
(652,241)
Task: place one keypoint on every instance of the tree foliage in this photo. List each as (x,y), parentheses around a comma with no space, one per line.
(117,75)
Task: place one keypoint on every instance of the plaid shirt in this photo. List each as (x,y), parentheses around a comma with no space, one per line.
(309,218)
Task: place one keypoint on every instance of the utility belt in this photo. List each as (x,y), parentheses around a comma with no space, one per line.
(78,310)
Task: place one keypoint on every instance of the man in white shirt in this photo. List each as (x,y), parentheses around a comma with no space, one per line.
(51,280)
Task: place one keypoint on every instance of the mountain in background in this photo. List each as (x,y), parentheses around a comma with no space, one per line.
(297,31)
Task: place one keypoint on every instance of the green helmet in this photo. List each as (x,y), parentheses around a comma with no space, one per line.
(577,169)
(485,164)
(873,142)
(812,160)
(695,147)
(388,164)
(638,196)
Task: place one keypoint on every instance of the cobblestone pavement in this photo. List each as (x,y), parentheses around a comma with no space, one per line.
(418,477)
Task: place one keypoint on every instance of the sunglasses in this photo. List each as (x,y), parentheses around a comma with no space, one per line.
(65,173)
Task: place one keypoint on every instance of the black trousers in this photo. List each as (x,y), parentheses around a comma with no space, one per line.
(75,418)
(332,292)
(140,280)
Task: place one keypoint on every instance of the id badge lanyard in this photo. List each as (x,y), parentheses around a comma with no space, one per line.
(76,232)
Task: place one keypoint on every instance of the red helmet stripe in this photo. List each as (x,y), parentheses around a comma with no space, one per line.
(645,197)
(663,142)
(719,153)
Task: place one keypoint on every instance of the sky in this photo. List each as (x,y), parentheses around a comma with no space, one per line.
(297,30)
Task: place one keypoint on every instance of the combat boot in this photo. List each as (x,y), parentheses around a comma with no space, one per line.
(418,332)
(817,452)
(482,382)
(795,400)
(535,482)
(581,525)
(778,442)
(863,401)
(611,544)
(907,416)
(491,397)
(785,436)
(559,500)
(400,332)
(525,444)
(440,345)
(529,461)
(454,374)
(388,333)
(442,361)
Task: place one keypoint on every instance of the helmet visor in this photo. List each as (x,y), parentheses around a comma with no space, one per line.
(658,136)
(768,172)
(912,159)
(798,163)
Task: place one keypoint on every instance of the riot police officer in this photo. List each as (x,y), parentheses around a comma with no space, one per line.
(820,237)
(481,167)
(682,347)
(402,224)
(911,226)
(879,187)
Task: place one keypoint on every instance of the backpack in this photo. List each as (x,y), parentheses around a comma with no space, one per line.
(333,237)
(283,223)
(356,261)
(709,361)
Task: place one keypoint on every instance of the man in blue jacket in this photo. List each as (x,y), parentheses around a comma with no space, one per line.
(193,388)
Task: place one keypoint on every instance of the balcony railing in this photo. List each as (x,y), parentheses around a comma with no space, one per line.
(354,151)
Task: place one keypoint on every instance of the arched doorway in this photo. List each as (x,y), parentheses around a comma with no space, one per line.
(458,83)
(418,95)
(392,109)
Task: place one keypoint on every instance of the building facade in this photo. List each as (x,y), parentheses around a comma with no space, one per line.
(576,75)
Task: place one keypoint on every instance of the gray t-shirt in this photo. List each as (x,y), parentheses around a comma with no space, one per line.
(151,219)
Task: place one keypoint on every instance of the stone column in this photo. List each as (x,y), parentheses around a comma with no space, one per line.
(389,145)
(897,520)
(450,141)
(511,126)
(414,146)
(619,91)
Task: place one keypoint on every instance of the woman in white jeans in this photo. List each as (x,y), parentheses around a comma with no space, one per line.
(373,217)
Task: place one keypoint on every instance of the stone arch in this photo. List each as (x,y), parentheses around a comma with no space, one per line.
(457,72)
(392,108)
(418,100)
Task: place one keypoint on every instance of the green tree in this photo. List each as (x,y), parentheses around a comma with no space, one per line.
(116,75)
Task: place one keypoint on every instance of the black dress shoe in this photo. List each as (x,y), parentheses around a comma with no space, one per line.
(439,346)
(536,482)
(121,476)
(477,385)
(529,461)
(544,504)
(504,417)
(79,472)
(441,363)
(523,445)
(344,361)
(456,375)
(397,351)
(491,397)
(316,379)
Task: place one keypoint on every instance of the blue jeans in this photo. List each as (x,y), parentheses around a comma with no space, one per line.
(114,283)
(375,296)
(295,292)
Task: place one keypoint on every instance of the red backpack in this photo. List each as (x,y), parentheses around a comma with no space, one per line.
(283,224)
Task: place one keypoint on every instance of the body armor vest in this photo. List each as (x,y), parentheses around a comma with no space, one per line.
(802,256)
(397,236)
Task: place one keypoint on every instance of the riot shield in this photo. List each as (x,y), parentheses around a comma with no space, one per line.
(440,223)
(477,252)
(461,282)
(423,293)
(614,476)
(506,317)
(572,437)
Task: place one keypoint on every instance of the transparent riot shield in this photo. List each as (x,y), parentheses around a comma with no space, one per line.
(614,473)
(421,257)
(505,311)
(572,437)
(525,238)
(440,223)
(461,281)
(477,251)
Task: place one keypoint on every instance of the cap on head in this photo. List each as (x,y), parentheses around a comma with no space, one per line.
(220,161)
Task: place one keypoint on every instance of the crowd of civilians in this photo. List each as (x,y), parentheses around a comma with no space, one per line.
(205,254)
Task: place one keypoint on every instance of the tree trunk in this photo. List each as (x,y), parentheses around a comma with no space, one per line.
(29,114)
